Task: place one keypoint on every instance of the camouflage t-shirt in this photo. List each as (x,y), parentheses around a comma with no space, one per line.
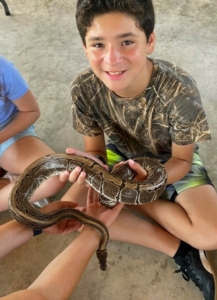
(170,109)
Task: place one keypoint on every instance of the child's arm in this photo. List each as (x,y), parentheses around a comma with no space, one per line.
(62,275)
(14,234)
(93,146)
(180,162)
(28,113)
(177,166)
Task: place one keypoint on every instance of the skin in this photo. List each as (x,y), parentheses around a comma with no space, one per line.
(114,44)
(25,150)
(117,50)
(14,234)
(67,268)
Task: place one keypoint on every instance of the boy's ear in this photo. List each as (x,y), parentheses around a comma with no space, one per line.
(151,43)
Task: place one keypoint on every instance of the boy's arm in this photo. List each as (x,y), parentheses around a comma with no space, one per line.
(177,166)
(93,146)
(180,162)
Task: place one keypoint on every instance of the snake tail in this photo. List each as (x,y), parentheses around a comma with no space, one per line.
(102,258)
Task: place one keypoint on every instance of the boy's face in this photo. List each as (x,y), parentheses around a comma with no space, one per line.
(117,51)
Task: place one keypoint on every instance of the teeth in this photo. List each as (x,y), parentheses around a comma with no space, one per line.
(115,73)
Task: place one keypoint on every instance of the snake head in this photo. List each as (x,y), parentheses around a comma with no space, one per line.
(102,257)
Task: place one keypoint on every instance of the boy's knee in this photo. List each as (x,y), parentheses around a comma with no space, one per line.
(206,238)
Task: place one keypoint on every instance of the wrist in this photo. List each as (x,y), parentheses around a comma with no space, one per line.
(101,158)
(91,231)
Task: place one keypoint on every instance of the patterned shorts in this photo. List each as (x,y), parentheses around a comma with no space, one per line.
(27,132)
(196,176)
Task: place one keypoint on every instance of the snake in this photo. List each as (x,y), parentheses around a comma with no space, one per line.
(115,186)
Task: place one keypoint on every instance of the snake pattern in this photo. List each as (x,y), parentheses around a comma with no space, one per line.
(113,187)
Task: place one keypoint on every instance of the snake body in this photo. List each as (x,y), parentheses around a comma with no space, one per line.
(113,187)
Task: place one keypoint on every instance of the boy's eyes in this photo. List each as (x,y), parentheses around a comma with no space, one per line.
(127,43)
(100,45)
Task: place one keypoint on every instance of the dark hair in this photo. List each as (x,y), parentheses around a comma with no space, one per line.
(141,10)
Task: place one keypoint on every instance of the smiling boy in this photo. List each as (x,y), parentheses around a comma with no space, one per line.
(151,108)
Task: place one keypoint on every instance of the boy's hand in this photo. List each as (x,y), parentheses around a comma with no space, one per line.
(65,226)
(104,214)
(141,173)
(77,174)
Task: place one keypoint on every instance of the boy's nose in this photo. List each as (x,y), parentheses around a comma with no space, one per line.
(112,55)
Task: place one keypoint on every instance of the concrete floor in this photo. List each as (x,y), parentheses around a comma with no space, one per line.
(41,38)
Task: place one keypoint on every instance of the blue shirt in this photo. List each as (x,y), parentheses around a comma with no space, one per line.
(12,87)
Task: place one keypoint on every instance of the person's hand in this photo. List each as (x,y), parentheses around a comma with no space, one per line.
(104,214)
(141,173)
(64,226)
(77,174)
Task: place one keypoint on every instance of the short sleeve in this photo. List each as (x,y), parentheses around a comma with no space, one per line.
(14,86)
(83,120)
(188,120)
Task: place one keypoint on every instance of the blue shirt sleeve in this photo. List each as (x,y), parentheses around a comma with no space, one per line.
(13,84)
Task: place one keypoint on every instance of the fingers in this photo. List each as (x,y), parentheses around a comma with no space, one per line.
(117,208)
(119,165)
(92,196)
(76,175)
(69,226)
(141,173)
(81,153)
(58,205)
(75,151)
(81,208)
(64,176)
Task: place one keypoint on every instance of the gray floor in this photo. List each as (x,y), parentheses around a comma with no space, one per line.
(41,38)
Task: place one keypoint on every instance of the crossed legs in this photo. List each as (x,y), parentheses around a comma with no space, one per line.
(193,218)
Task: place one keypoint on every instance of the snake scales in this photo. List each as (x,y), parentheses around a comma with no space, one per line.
(113,187)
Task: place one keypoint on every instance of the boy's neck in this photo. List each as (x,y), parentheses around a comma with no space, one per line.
(142,85)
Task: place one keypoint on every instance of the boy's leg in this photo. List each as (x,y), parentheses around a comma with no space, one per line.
(187,257)
(192,218)
(20,155)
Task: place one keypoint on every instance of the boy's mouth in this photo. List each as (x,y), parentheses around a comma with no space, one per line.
(115,73)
